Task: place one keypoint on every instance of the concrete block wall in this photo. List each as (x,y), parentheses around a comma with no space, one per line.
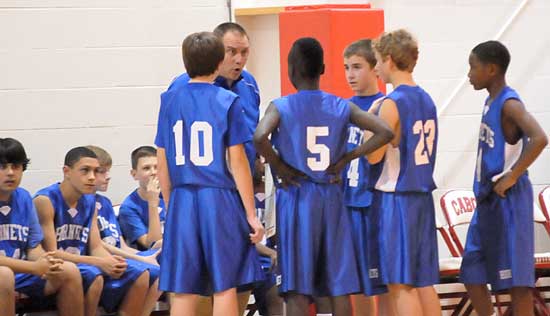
(91,72)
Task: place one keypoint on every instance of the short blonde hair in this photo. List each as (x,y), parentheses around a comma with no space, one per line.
(103,156)
(401,46)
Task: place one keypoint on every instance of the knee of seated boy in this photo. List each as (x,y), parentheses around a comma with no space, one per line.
(8,280)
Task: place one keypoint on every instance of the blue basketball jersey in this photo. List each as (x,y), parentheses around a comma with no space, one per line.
(409,167)
(19,227)
(249,98)
(72,225)
(494,155)
(197,122)
(133,219)
(356,192)
(312,131)
(109,230)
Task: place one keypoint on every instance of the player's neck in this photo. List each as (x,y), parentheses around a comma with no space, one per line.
(307,85)
(142,193)
(5,196)
(495,87)
(372,89)
(204,79)
(399,78)
(70,195)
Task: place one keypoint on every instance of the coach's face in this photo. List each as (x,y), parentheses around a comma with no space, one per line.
(236,55)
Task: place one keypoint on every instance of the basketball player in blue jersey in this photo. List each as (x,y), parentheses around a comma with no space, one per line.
(500,246)
(142,213)
(24,265)
(111,235)
(233,77)
(401,175)
(207,244)
(68,217)
(309,131)
(359,63)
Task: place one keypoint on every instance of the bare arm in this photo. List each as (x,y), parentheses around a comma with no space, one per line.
(164,177)
(154,232)
(514,112)
(130,255)
(389,114)
(381,135)
(243,180)
(263,145)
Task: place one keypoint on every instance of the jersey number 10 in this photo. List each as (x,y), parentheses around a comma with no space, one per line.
(196,157)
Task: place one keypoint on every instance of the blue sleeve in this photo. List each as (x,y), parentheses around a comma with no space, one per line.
(237,132)
(160,139)
(35,230)
(131,224)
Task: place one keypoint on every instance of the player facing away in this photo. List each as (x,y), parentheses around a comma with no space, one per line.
(24,265)
(500,245)
(359,63)
(206,180)
(401,175)
(309,131)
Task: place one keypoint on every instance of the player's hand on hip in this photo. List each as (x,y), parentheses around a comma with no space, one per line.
(286,175)
(503,184)
(335,170)
(258,231)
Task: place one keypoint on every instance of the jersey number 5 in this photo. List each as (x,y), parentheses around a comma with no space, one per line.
(196,158)
(322,150)
(425,144)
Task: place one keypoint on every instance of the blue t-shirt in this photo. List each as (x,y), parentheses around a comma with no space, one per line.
(409,167)
(109,230)
(197,122)
(249,98)
(494,155)
(312,131)
(19,227)
(134,217)
(356,192)
(72,225)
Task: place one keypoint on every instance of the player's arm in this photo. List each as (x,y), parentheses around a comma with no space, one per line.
(390,115)
(263,145)
(115,265)
(45,211)
(381,134)
(243,180)
(163,175)
(130,255)
(153,231)
(515,112)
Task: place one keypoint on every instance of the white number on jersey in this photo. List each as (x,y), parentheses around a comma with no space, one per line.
(322,150)
(196,158)
(424,148)
(353,173)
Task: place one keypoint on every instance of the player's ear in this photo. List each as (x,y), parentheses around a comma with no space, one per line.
(66,170)
(493,69)
(322,69)
(133,173)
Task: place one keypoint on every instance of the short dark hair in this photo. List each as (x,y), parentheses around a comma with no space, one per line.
(493,52)
(306,57)
(12,151)
(74,155)
(202,53)
(225,27)
(362,48)
(140,152)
